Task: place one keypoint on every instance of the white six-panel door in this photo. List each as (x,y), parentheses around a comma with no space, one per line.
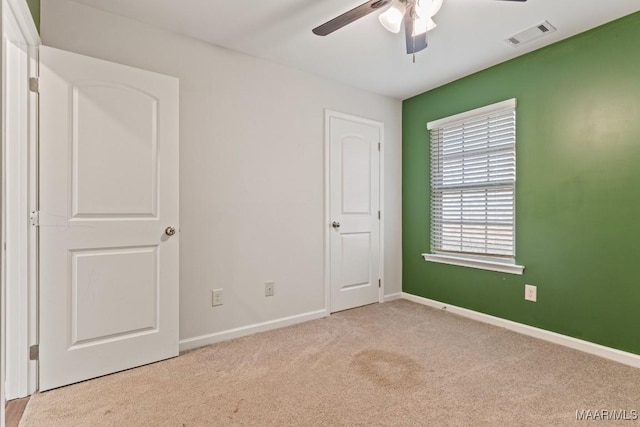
(108,191)
(354,202)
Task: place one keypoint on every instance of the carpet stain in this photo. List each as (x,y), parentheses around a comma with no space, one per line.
(388,370)
(235,411)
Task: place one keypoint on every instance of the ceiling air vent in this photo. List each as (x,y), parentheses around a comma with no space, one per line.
(531,34)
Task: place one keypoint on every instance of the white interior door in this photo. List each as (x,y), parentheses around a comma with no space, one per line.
(108,190)
(354,203)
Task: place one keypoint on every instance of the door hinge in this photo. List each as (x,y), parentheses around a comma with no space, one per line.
(379,215)
(35,218)
(34,352)
(379,283)
(379,146)
(34,84)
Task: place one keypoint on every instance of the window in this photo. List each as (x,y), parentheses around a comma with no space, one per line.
(473,176)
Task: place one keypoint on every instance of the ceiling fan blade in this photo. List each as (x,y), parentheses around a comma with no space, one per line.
(417,43)
(350,16)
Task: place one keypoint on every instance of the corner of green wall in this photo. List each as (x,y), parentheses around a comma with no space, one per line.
(578,197)
(34,7)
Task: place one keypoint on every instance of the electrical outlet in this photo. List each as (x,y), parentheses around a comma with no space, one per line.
(531,293)
(216,297)
(269,289)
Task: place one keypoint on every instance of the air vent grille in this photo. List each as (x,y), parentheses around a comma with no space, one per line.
(531,34)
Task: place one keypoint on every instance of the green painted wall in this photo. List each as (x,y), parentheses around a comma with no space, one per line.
(34,6)
(577,190)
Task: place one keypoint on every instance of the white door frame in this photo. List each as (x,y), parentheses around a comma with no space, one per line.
(19,277)
(328,115)
(3,317)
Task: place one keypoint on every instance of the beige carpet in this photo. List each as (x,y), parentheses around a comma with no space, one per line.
(393,364)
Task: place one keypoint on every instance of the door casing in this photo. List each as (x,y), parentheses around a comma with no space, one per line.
(21,289)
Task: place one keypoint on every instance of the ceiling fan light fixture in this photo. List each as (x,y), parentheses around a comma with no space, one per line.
(391,19)
(435,7)
(423,9)
(422,25)
(419,26)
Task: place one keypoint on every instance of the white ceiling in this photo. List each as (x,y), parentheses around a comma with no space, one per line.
(469,37)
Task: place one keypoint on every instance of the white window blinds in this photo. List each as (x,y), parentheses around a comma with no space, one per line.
(473,174)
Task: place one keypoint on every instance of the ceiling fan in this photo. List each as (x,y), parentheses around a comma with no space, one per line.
(416,14)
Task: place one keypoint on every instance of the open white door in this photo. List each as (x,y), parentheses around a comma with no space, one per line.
(108,192)
(354,204)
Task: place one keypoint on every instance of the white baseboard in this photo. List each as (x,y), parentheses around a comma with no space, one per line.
(620,356)
(202,340)
(392,297)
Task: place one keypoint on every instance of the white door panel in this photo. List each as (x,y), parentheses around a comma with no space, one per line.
(132,148)
(108,189)
(354,199)
(108,281)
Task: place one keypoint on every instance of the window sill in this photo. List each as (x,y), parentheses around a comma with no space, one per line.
(475,263)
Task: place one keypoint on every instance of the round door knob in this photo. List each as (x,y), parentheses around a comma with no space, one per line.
(170,231)
(335,224)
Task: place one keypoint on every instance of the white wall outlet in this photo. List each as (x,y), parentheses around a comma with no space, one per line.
(269,288)
(216,297)
(531,293)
